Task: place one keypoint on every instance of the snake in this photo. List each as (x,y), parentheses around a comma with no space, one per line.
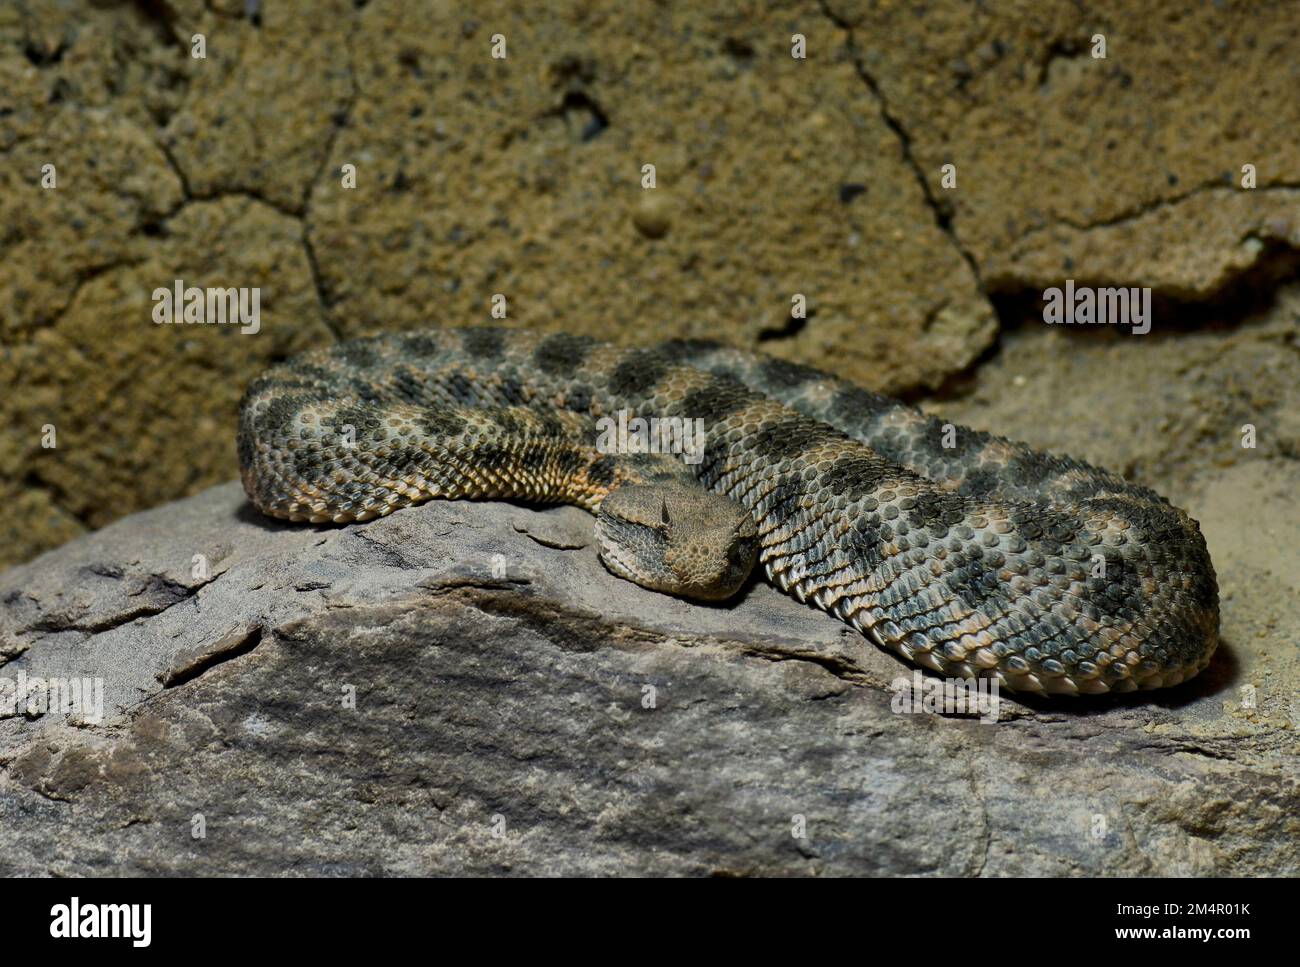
(967,554)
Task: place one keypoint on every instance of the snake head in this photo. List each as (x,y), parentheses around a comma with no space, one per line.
(678,539)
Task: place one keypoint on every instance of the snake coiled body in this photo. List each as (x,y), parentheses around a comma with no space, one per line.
(968,554)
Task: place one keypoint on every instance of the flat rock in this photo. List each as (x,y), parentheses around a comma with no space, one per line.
(462,688)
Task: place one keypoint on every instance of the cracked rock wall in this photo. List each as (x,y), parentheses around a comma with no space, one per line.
(1123,170)
(476,176)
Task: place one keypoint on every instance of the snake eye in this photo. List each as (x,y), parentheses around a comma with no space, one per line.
(663,511)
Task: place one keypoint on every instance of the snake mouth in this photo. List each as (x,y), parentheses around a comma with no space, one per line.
(621,567)
(609,557)
(619,561)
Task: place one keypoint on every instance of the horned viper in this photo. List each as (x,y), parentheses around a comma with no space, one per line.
(968,554)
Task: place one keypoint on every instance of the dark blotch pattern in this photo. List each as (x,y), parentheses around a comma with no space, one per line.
(317,374)
(579,399)
(890,446)
(363,419)
(856,407)
(715,401)
(637,374)
(602,472)
(783,502)
(512,391)
(965,441)
(980,482)
(561,354)
(410,461)
(854,476)
(421,346)
(568,460)
(441,421)
(461,389)
(1031,469)
(1049,528)
(863,543)
(974,577)
(936,510)
(782,374)
(508,422)
(409,385)
(679,351)
(484,344)
(359,354)
(781,439)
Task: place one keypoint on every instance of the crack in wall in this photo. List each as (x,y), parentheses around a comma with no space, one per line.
(186,193)
(83,279)
(1148,208)
(942,216)
(1250,291)
(1242,293)
(302,211)
(342,120)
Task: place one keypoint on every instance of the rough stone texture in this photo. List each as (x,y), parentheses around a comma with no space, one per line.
(140,411)
(500,675)
(1125,169)
(775,176)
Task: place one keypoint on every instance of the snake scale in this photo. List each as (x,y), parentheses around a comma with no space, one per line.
(966,553)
